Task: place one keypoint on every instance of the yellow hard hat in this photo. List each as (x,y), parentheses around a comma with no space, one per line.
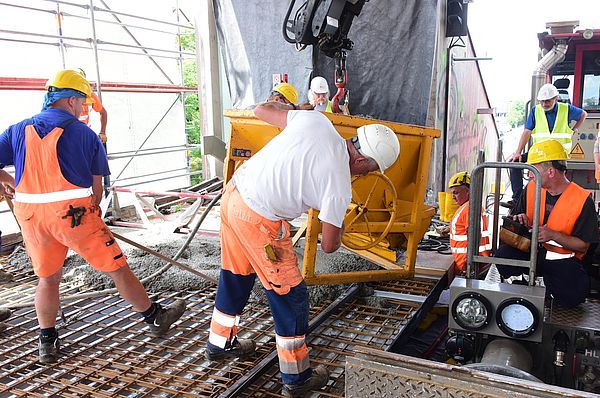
(72,79)
(546,151)
(458,179)
(288,91)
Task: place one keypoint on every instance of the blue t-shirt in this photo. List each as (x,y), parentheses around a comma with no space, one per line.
(80,151)
(574,114)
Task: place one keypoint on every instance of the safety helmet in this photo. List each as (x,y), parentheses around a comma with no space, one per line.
(546,151)
(458,179)
(319,85)
(288,91)
(72,79)
(380,143)
(547,91)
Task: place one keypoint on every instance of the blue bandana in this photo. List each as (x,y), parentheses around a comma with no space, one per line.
(53,96)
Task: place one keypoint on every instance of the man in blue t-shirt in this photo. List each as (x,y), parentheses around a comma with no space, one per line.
(59,163)
(558,116)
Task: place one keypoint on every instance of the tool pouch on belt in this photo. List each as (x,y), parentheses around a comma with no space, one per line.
(515,234)
(281,267)
(76,214)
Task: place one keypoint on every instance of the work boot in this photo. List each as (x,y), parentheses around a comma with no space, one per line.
(5,276)
(240,348)
(48,351)
(5,313)
(318,380)
(166,317)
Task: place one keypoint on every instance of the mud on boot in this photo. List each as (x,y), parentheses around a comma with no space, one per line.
(240,348)
(318,380)
(48,350)
(167,316)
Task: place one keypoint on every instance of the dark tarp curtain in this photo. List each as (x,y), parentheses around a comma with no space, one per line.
(389,69)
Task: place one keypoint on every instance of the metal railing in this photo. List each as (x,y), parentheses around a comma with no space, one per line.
(474,230)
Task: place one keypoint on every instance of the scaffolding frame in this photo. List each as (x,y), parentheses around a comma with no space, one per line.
(95,44)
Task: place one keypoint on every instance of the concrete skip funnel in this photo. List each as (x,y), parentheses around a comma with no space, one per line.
(397,217)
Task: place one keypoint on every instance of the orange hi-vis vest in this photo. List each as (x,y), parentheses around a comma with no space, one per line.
(458,236)
(562,218)
(42,180)
(85,111)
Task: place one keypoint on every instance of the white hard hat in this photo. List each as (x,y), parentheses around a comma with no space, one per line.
(380,143)
(319,85)
(547,91)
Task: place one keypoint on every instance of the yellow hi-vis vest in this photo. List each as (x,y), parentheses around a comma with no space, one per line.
(561,131)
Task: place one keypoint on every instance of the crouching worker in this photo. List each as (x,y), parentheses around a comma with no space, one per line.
(568,225)
(459,187)
(308,165)
(59,164)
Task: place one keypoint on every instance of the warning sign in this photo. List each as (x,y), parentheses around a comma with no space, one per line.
(577,153)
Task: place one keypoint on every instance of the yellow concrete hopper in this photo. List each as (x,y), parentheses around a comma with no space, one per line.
(387,210)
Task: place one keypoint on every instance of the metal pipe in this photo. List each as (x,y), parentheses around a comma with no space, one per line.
(157,148)
(116,12)
(166,193)
(554,56)
(108,43)
(162,179)
(474,230)
(140,44)
(148,278)
(165,258)
(142,18)
(148,137)
(151,174)
(101,42)
(61,44)
(95,48)
(28,8)
(496,212)
(182,76)
(146,154)
(17,32)
(87,48)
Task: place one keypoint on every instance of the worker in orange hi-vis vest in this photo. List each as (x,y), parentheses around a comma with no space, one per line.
(459,186)
(97,106)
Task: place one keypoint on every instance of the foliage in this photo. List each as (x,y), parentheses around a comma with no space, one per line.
(192,109)
(516,114)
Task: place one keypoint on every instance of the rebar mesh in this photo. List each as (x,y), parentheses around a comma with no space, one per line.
(107,350)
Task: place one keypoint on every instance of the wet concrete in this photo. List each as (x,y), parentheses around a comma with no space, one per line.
(203,254)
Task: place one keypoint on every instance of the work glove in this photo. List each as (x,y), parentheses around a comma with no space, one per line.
(102,137)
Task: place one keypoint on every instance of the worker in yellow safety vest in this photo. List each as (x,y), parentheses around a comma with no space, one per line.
(459,186)
(318,95)
(567,230)
(548,120)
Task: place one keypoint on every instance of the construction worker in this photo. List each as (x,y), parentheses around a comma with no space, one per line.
(568,226)
(597,156)
(459,186)
(318,94)
(97,106)
(5,313)
(284,93)
(308,165)
(548,120)
(59,163)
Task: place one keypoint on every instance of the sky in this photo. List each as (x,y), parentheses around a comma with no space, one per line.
(506,30)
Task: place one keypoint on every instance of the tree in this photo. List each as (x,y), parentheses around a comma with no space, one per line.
(516,114)
(192,109)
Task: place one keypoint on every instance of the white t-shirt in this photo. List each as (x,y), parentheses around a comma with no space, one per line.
(305,166)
